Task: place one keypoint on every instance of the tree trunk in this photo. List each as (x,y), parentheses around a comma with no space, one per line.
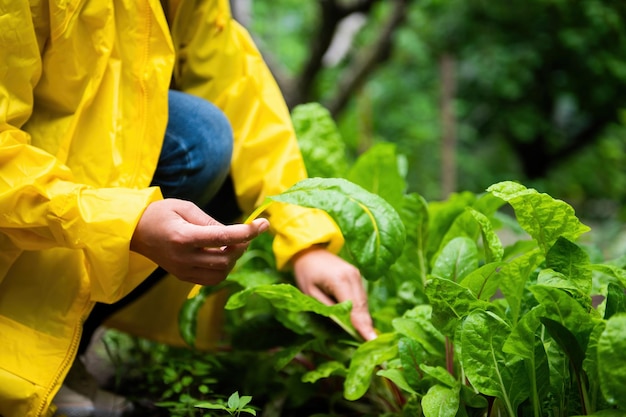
(448,124)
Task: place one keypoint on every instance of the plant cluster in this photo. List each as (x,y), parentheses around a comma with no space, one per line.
(486,305)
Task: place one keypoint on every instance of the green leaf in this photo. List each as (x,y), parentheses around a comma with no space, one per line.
(567,341)
(397,377)
(412,355)
(457,259)
(441,401)
(364,360)
(612,360)
(543,217)
(491,242)
(321,145)
(612,271)
(412,264)
(324,371)
(484,281)
(522,339)
(615,301)
(450,302)
(188,314)
(514,276)
(590,363)
(569,259)
(288,297)
(488,368)
(538,370)
(373,230)
(442,216)
(212,406)
(377,171)
(233,401)
(417,325)
(439,374)
(284,356)
(562,308)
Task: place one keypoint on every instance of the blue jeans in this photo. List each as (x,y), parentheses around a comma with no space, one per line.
(196,152)
(193,165)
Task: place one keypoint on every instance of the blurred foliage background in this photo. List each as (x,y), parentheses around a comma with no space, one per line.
(471,92)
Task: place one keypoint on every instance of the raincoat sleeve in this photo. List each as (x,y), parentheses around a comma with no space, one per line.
(217,60)
(41,204)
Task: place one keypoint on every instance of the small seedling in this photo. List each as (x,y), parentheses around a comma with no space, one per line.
(235,406)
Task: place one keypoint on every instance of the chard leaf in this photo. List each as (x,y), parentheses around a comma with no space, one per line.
(365,359)
(541,216)
(551,278)
(513,278)
(417,325)
(538,370)
(484,281)
(288,297)
(457,259)
(473,399)
(562,308)
(441,401)
(567,341)
(521,340)
(450,302)
(377,171)
(324,371)
(615,300)
(285,355)
(373,230)
(612,271)
(397,377)
(411,354)
(570,260)
(442,215)
(488,368)
(440,374)
(612,360)
(323,149)
(188,313)
(491,242)
(412,264)
(590,363)
(464,225)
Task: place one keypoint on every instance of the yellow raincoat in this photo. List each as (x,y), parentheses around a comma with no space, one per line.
(83,110)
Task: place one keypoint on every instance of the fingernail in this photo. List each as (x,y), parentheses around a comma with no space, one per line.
(264,224)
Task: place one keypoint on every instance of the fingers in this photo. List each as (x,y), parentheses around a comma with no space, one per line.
(350,287)
(189,244)
(208,266)
(330,279)
(216,236)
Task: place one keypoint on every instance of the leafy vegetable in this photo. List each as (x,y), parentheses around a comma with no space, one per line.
(373,230)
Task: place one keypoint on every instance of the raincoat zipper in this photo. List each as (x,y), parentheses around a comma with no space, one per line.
(69,357)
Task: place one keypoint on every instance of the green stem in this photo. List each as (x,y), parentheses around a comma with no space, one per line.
(257,211)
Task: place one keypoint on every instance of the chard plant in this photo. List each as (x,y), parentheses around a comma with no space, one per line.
(469,323)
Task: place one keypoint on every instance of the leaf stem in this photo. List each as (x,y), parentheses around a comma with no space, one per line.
(258,211)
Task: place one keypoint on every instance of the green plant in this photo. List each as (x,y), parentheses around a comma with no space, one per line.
(487,304)
(235,405)
(471,325)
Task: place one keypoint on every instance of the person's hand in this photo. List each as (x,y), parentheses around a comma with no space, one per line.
(328,278)
(188,243)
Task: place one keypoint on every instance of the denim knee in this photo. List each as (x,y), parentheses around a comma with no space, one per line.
(197,149)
